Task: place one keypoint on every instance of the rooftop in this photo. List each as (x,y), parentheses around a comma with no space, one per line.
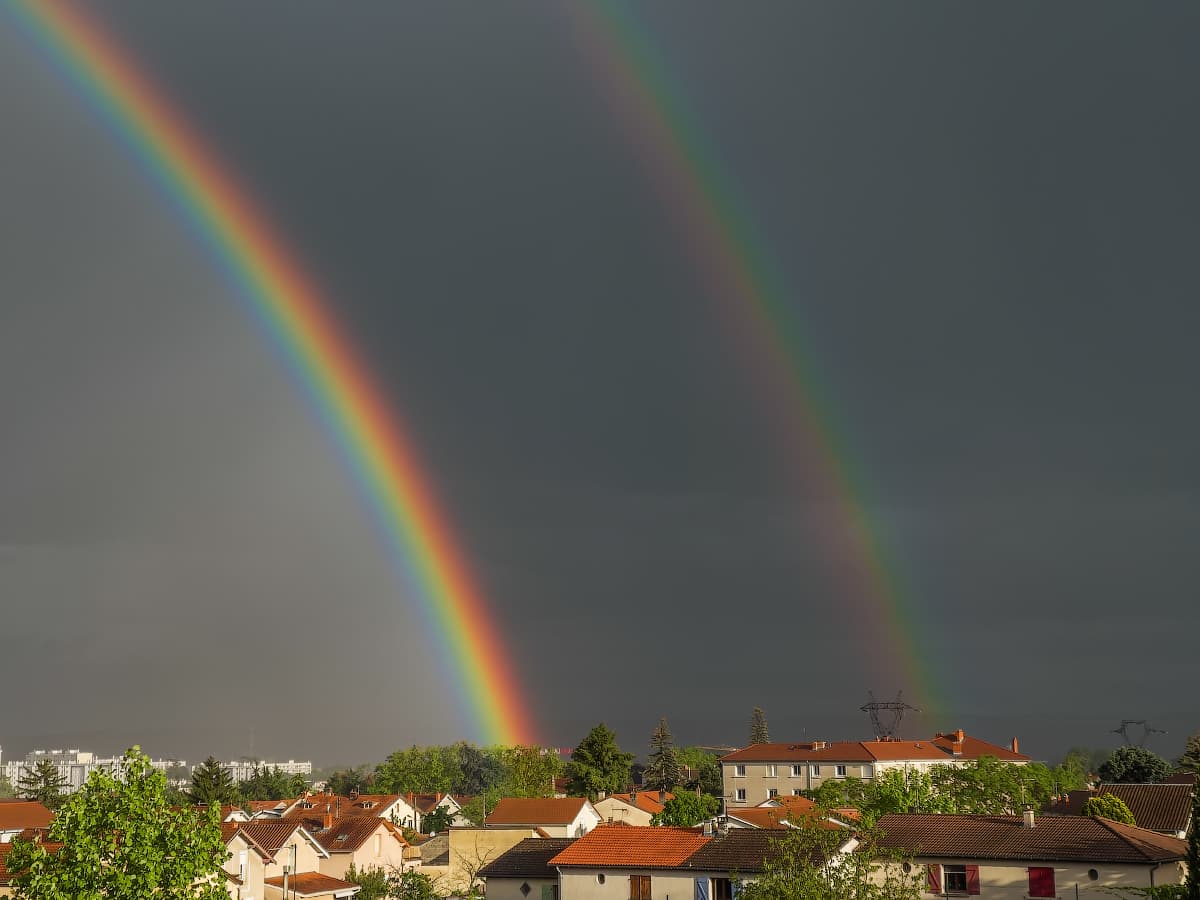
(528,859)
(314,884)
(536,811)
(624,847)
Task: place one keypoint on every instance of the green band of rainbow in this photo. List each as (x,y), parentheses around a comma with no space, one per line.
(287,303)
(733,264)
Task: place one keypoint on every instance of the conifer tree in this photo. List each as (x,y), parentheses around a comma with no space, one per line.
(758,727)
(598,764)
(43,783)
(213,784)
(1190,761)
(1191,886)
(662,771)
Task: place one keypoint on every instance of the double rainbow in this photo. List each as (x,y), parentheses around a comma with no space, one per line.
(292,311)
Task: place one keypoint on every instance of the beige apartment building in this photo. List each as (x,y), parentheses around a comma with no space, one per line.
(762,772)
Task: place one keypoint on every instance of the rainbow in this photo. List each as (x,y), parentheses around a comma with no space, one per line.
(732,262)
(299,320)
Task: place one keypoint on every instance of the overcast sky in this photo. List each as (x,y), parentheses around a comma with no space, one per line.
(986,216)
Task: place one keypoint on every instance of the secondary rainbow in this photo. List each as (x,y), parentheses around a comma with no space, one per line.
(292,311)
(732,262)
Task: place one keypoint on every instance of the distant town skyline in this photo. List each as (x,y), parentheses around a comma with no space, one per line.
(981,223)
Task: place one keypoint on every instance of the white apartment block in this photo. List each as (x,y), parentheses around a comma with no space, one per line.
(73,765)
(243,769)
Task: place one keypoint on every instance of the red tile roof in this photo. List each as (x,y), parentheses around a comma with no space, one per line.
(24,814)
(349,833)
(940,748)
(5,849)
(536,811)
(269,834)
(1052,839)
(619,847)
(311,884)
(646,801)
(1159,807)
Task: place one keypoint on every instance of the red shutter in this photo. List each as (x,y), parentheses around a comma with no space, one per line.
(972,879)
(1041,881)
(933,879)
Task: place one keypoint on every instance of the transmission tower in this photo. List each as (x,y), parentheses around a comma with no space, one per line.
(886,715)
(1147,730)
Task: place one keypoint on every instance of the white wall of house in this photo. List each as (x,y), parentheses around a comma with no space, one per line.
(1010,881)
(382,850)
(246,862)
(618,811)
(510,888)
(585,884)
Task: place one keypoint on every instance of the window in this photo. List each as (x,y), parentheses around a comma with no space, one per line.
(772,793)
(770,771)
(600,878)
(814,771)
(739,771)
(841,771)
(639,887)
(1041,881)
(797,771)
(549,892)
(740,794)
(955,879)
(722,889)
(797,792)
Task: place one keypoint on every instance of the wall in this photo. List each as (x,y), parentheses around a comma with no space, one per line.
(510,888)
(756,781)
(391,853)
(1000,881)
(307,857)
(581,884)
(619,811)
(471,848)
(252,881)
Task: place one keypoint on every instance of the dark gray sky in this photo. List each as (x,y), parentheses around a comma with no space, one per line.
(986,217)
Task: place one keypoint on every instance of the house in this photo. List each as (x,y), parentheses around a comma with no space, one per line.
(634,808)
(781,813)
(366,842)
(424,804)
(556,816)
(467,849)
(17,815)
(268,809)
(524,872)
(245,867)
(765,771)
(281,843)
(309,886)
(614,862)
(1003,857)
(1165,808)
(734,856)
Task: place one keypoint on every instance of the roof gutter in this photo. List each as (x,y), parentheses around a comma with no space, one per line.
(1153,869)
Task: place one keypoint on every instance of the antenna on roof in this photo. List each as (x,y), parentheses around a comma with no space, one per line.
(1147,730)
(886,715)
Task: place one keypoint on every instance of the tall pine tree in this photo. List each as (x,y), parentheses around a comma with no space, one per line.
(758,727)
(43,783)
(598,764)
(213,784)
(663,770)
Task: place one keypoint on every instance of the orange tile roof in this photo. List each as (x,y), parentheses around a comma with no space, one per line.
(349,833)
(269,834)
(311,884)
(646,801)
(536,811)
(24,814)
(618,847)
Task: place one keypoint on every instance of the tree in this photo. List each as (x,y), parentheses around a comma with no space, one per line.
(437,820)
(808,865)
(479,770)
(418,770)
(43,783)
(1190,761)
(121,840)
(598,764)
(529,771)
(412,885)
(345,782)
(1108,806)
(1075,770)
(6,788)
(758,727)
(687,810)
(1135,765)
(373,883)
(705,770)
(1191,887)
(212,784)
(271,784)
(662,770)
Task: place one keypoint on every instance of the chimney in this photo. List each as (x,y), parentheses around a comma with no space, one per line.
(327,819)
(958,736)
(600,795)
(1014,746)
(1029,819)
(818,745)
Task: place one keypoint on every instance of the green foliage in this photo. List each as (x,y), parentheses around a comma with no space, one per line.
(212,784)
(1135,765)
(759,733)
(1190,761)
(1192,884)
(42,783)
(6,789)
(122,841)
(598,764)
(345,782)
(1076,769)
(419,770)
(809,867)
(271,784)
(687,810)
(662,770)
(705,769)
(373,883)
(1108,806)
(412,885)
(436,821)
(528,771)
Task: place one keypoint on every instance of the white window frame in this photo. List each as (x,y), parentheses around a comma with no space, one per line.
(740,794)
(739,770)
(797,770)
(840,771)
(797,792)
(772,793)
(772,770)
(814,770)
